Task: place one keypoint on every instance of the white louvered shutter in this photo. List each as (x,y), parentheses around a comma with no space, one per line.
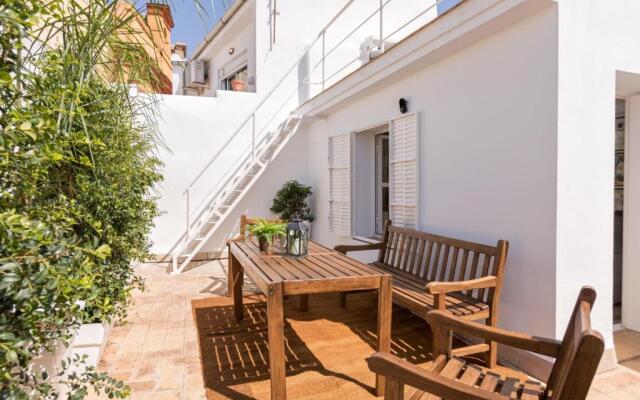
(340,184)
(403,171)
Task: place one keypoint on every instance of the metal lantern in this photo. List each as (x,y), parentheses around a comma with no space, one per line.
(297,238)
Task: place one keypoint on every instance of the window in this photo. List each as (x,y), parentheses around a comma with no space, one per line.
(236,81)
(340,184)
(377,169)
(403,171)
(373,177)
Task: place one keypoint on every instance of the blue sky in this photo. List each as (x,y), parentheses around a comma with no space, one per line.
(190,26)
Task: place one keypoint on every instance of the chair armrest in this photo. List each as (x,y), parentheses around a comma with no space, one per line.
(404,372)
(540,345)
(457,286)
(344,249)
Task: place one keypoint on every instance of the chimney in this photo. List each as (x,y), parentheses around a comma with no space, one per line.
(180,49)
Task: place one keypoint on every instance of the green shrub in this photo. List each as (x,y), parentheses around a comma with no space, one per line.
(291,201)
(268,230)
(77,165)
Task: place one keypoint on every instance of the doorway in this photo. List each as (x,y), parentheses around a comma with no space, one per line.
(618,211)
(625,233)
(382,183)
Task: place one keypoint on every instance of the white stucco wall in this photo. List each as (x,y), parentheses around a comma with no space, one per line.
(193,129)
(487,154)
(196,130)
(596,38)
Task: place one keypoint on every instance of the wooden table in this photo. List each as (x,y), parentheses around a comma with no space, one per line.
(321,271)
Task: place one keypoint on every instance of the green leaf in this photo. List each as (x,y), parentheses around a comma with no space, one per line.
(11,356)
(103,251)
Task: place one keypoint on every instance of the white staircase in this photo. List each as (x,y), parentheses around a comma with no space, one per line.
(239,177)
(252,164)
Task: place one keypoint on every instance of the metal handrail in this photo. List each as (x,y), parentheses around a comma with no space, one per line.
(273,89)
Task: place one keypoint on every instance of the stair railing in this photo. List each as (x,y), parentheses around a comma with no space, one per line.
(258,137)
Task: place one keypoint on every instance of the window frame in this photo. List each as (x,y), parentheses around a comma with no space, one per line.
(225,82)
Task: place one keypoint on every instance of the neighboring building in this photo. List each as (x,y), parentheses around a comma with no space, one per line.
(518,111)
(153,32)
(178,64)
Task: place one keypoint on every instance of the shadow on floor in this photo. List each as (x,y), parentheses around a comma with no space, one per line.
(325,346)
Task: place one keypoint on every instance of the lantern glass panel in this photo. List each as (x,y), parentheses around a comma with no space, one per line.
(297,238)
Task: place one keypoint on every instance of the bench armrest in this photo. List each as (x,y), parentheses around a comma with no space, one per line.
(399,370)
(344,249)
(457,286)
(540,345)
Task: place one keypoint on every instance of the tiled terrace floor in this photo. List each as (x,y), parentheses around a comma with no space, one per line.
(156,352)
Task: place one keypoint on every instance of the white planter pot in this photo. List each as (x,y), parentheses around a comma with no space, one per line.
(90,341)
(51,362)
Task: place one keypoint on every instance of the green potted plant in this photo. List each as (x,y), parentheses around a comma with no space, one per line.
(291,202)
(266,231)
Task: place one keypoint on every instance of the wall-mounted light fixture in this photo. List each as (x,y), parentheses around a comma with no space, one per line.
(404,106)
(231,50)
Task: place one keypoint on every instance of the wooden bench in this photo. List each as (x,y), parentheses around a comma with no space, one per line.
(432,272)
(576,362)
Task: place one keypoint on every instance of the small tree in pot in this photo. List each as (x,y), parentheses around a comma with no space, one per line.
(291,202)
(266,231)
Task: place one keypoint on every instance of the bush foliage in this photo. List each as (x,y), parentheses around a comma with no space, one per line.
(291,201)
(77,165)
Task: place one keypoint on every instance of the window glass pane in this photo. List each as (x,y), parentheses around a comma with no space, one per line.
(385,204)
(385,160)
(240,74)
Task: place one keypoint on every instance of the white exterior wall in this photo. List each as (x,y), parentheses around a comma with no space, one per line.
(596,39)
(487,125)
(193,131)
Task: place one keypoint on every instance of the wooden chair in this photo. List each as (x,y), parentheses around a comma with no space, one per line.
(245,234)
(577,358)
(432,272)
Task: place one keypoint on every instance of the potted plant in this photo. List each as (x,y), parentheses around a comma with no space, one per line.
(291,202)
(266,231)
(237,85)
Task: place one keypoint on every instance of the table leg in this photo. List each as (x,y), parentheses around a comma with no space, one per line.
(235,284)
(229,272)
(275,321)
(384,326)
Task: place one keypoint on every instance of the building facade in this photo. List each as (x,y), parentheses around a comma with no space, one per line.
(509,132)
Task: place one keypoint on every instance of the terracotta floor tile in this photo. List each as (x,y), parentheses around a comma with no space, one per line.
(141,386)
(147,370)
(171,377)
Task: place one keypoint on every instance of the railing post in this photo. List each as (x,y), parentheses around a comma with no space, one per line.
(381,45)
(323,43)
(188,216)
(253,136)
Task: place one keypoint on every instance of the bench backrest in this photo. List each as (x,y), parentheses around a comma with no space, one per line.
(580,353)
(437,258)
